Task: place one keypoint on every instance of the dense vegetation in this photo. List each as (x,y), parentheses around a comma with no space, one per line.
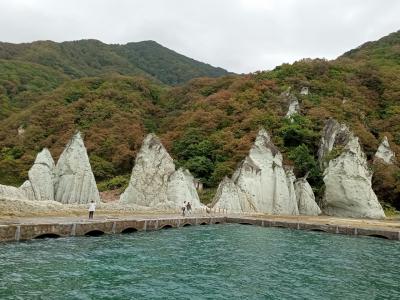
(91,58)
(209,124)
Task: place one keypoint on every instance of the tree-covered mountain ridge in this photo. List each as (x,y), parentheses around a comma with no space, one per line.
(209,124)
(83,58)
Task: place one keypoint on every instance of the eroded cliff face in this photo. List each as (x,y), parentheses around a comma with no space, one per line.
(230,198)
(181,188)
(154,182)
(12,193)
(74,179)
(294,107)
(385,153)
(348,189)
(262,179)
(306,198)
(41,177)
(40,185)
(27,189)
(334,135)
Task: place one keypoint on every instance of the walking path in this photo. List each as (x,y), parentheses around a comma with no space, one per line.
(24,228)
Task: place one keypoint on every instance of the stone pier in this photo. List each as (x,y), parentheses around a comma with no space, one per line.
(62,227)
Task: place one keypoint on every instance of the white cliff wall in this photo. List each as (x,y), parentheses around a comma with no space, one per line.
(230,198)
(348,189)
(385,153)
(12,193)
(41,176)
(262,179)
(306,198)
(154,182)
(75,182)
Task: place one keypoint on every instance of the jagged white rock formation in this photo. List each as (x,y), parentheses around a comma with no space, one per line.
(306,198)
(154,181)
(348,189)
(11,192)
(290,179)
(27,189)
(230,198)
(294,107)
(260,184)
(385,153)
(41,177)
(304,91)
(181,188)
(334,134)
(74,179)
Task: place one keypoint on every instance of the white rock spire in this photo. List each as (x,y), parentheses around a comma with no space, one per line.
(41,176)
(260,184)
(348,188)
(385,153)
(154,182)
(75,182)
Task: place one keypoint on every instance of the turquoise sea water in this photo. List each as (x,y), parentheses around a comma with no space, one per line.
(203,262)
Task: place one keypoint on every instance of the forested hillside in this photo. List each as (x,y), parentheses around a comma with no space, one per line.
(91,58)
(209,124)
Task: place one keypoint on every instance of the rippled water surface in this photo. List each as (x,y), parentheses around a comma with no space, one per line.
(202,262)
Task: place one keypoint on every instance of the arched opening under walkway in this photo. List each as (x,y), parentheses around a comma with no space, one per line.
(129,230)
(94,233)
(47,236)
(167,226)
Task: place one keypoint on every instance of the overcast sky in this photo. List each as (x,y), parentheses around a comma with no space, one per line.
(239,35)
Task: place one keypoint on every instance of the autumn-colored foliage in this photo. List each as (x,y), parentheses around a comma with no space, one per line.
(209,124)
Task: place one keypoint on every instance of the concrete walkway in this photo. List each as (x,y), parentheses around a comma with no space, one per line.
(25,228)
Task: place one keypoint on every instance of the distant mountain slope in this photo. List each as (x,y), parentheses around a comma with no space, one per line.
(383,51)
(92,58)
(21,81)
(166,65)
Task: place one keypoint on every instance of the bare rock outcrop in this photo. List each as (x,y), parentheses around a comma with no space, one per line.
(334,135)
(27,189)
(155,183)
(230,198)
(262,178)
(348,189)
(41,176)
(294,105)
(181,188)
(74,179)
(304,91)
(290,179)
(306,198)
(385,153)
(12,193)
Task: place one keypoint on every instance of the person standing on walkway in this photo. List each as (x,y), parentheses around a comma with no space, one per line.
(92,208)
(189,208)
(183,208)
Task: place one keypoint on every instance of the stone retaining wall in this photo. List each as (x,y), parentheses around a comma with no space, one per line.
(20,232)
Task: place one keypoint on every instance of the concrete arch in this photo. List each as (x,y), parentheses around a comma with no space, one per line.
(94,233)
(317,229)
(245,223)
(186,225)
(203,223)
(47,236)
(380,236)
(167,226)
(129,230)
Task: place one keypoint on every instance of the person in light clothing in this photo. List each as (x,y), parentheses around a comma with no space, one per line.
(92,208)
